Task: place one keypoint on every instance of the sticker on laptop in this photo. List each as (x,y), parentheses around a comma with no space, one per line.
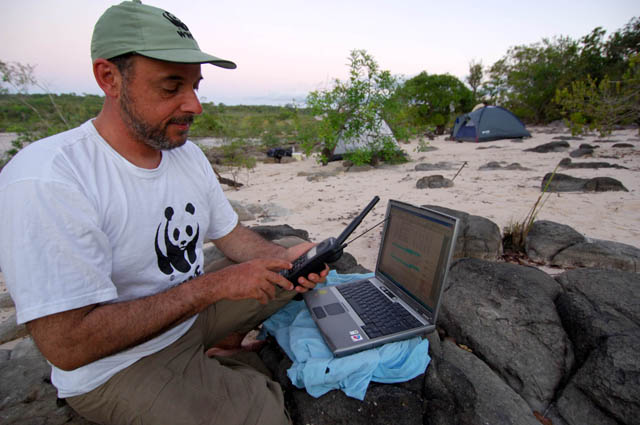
(355,336)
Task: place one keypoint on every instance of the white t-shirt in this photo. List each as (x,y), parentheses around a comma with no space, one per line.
(81,225)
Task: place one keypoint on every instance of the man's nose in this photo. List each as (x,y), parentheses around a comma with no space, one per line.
(192,103)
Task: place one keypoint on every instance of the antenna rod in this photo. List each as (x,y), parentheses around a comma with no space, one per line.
(361,234)
(356,222)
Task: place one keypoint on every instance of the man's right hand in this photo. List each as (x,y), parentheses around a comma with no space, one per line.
(255,279)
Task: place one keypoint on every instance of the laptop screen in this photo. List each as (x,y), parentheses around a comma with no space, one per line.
(415,251)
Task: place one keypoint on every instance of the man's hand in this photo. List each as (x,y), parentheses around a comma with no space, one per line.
(253,279)
(310,282)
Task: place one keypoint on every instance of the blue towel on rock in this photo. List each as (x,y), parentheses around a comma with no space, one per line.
(314,366)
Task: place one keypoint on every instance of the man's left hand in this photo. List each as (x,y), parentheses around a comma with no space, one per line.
(310,282)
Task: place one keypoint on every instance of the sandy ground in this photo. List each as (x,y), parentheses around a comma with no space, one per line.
(324,206)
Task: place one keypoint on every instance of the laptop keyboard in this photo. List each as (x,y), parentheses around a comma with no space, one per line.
(380,315)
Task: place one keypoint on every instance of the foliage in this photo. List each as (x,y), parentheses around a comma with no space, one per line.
(528,77)
(525,80)
(515,234)
(474,79)
(589,104)
(234,156)
(433,100)
(352,109)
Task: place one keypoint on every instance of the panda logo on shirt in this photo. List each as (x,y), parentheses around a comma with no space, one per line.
(177,239)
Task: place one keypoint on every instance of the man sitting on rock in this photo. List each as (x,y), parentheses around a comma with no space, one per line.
(102,239)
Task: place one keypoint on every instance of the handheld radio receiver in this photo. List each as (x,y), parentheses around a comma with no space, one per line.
(327,251)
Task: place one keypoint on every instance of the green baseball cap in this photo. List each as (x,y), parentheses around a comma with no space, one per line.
(132,27)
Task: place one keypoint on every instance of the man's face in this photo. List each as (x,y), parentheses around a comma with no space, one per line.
(158,101)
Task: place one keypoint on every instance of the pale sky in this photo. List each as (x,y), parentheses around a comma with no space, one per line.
(286,48)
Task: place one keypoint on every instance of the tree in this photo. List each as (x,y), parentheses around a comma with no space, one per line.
(526,78)
(19,78)
(352,109)
(601,105)
(432,99)
(474,79)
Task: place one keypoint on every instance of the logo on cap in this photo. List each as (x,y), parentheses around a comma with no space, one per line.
(183,29)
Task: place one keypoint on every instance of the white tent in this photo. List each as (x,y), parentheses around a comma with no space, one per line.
(365,139)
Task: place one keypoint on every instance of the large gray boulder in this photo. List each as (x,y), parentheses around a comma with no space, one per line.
(505,314)
(561,246)
(478,237)
(564,183)
(26,394)
(601,312)
(462,389)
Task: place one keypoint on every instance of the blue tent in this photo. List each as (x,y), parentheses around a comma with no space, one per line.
(488,123)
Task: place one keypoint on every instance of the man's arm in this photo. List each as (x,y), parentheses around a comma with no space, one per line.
(74,338)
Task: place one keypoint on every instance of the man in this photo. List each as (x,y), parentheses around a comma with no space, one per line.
(102,235)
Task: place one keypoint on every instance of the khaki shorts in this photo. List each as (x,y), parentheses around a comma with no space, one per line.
(181,385)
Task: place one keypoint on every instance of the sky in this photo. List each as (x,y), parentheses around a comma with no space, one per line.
(286,48)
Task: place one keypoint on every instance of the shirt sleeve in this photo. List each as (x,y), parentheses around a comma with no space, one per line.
(53,253)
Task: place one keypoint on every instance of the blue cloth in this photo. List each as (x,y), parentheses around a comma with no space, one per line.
(314,366)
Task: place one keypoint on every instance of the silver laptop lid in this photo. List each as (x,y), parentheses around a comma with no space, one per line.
(415,251)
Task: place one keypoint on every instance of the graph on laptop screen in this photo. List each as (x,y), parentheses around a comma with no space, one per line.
(414,252)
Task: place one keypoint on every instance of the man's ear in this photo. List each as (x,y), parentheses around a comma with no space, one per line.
(108,77)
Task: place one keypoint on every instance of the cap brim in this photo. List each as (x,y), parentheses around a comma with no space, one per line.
(187,56)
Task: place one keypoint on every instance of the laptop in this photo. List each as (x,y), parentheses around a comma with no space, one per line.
(403,298)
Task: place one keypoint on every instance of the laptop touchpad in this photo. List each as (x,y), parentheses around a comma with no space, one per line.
(333,309)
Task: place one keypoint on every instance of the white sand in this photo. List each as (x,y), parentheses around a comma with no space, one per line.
(324,207)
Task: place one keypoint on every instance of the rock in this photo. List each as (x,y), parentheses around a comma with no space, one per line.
(597,304)
(547,238)
(462,389)
(280,231)
(565,183)
(434,182)
(6,301)
(582,151)
(623,145)
(347,264)
(567,163)
(494,165)
(610,377)
(601,313)
(604,184)
(599,254)
(383,404)
(10,330)
(478,237)
(567,138)
(243,212)
(442,165)
(267,210)
(560,146)
(505,314)
(30,398)
(560,245)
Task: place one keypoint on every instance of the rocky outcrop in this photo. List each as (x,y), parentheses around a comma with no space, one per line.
(434,182)
(505,314)
(478,237)
(495,165)
(559,245)
(567,163)
(559,146)
(564,183)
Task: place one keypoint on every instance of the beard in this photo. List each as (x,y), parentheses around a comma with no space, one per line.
(155,136)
